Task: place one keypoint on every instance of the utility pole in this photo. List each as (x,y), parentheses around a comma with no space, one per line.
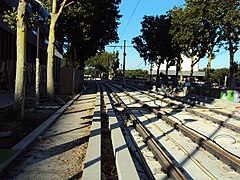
(124,61)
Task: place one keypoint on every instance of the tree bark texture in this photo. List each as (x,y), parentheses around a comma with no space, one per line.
(51,46)
(191,72)
(209,66)
(158,76)
(231,58)
(50,60)
(19,95)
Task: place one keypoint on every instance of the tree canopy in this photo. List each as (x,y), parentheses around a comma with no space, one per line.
(104,62)
(155,44)
(137,73)
(197,29)
(202,27)
(87,27)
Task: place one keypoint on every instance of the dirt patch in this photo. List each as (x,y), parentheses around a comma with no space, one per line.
(109,170)
(60,152)
(19,129)
(32,119)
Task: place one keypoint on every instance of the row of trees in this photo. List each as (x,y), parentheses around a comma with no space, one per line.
(82,27)
(137,73)
(198,29)
(105,63)
(218,75)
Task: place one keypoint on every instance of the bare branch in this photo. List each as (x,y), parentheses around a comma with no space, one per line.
(54,6)
(39,2)
(69,3)
(61,7)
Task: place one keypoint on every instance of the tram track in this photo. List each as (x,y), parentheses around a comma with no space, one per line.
(171,107)
(198,108)
(163,159)
(199,140)
(135,128)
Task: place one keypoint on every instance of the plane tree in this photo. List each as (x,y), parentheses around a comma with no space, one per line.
(104,62)
(87,28)
(55,8)
(206,15)
(186,34)
(22,18)
(155,43)
(229,23)
(202,27)
(19,95)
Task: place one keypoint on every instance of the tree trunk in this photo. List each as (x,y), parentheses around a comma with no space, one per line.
(180,69)
(167,68)
(19,95)
(74,56)
(231,58)
(81,78)
(191,72)
(166,79)
(209,65)
(177,69)
(232,79)
(158,75)
(50,61)
(151,70)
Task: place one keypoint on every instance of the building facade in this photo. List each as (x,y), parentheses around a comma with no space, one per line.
(186,68)
(8,51)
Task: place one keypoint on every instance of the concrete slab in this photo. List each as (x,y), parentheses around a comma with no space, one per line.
(125,166)
(92,165)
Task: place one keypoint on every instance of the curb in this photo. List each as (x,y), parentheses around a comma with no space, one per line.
(24,143)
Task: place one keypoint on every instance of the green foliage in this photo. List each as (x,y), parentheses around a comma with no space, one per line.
(66,62)
(87,26)
(218,75)
(202,26)
(89,71)
(104,62)
(186,32)
(155,43)
(10,17)
(46,4)
(138,73)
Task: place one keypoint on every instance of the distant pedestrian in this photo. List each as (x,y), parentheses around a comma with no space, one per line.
(186,87)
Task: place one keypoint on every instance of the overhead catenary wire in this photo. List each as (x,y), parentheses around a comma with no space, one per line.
(130,19)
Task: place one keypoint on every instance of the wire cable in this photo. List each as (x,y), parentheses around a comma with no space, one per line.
(130,18)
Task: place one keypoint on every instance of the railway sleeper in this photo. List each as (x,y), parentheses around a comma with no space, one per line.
(227,158)
(122,157)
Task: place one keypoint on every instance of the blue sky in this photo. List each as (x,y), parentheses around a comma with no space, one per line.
(127,32)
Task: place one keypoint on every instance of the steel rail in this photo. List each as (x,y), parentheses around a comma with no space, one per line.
(215,120)
(227,158)
(167,164)
(141,159)
(182,149)
(213,110)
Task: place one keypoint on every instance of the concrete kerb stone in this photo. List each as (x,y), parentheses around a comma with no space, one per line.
(24,143)
(92,165)
(124,163)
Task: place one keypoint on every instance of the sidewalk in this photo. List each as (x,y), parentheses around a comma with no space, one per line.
(6,98)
